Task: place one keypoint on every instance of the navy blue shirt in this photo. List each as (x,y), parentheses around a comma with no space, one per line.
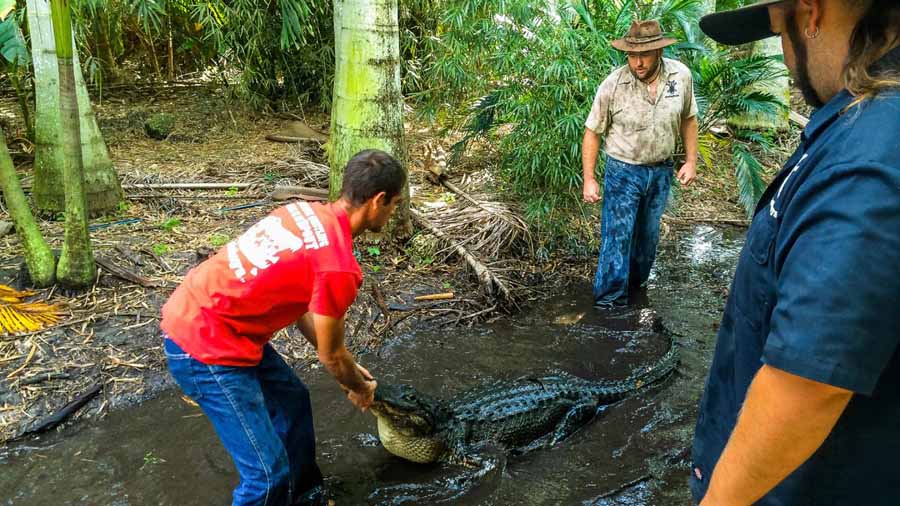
(817,294)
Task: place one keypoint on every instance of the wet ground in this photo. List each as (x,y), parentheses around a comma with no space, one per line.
(165,452)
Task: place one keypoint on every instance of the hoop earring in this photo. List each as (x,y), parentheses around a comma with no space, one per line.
(811,35)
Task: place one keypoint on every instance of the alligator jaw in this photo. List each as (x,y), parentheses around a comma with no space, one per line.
(419,449)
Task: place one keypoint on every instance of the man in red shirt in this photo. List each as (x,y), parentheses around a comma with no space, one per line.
(294,265)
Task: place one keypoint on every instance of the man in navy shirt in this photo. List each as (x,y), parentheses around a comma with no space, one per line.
(802,403)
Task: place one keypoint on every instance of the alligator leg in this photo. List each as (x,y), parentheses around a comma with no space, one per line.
(472,475)
(576,418)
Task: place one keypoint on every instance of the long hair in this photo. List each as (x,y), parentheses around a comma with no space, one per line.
(874,35)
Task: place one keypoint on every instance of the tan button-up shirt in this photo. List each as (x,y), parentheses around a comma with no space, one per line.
(638,130)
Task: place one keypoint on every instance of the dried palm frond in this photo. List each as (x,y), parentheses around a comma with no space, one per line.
(298,171)
(488,227)
(16,315)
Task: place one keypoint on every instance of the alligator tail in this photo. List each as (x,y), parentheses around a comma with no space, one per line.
(610,391)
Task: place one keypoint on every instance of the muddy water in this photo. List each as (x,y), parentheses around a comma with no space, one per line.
(165,452)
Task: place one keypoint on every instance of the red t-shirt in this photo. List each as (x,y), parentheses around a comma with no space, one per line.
(299,258)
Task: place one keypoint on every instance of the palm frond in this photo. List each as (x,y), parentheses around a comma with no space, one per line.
(17,316)
(748,172)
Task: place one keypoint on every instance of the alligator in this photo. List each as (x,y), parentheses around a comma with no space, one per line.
(517,416)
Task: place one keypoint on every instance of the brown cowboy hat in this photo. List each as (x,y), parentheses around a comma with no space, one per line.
(739,26)
(643,36)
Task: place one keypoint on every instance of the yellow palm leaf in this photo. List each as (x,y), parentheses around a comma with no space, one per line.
(16,315)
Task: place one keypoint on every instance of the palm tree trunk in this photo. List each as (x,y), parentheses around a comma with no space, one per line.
(367,104)
(103,190)
(38,257)
(76,267)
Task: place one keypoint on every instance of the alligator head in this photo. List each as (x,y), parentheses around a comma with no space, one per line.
(408,422)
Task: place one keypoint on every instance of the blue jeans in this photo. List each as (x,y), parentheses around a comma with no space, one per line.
(263,417)
(634,198)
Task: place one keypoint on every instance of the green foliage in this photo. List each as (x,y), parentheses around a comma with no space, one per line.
(373,251)
(12,44)
(170,224)
(122,207)
(160,125)
(748,173)
(111,32)
(271,53)
(151,460)
(284,48)
(726,85)
(6,6)
(218,240)
(523,74)
(160,249)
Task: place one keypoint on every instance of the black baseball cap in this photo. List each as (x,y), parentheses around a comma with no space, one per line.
(739,26)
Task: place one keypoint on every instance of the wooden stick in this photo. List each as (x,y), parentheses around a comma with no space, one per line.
(119,271)
(44,376)
(435,296)
(302,192)
(290,139)
(66,411)
(487,278)
(188,186)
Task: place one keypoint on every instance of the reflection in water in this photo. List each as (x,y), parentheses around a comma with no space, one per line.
(164,452)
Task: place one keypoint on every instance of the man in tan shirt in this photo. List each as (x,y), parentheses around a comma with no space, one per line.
(640,110)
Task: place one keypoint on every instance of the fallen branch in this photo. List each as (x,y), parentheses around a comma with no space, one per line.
(66,411)
(298,192)
(279,193)
(188,186)
(124,273)
(291,139)
(487,278)
(44,376)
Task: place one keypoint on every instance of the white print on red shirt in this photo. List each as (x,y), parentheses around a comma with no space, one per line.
(306,228)
(316,224)
(264,240)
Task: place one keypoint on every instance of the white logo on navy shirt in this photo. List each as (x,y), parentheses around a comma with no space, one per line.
(773,212)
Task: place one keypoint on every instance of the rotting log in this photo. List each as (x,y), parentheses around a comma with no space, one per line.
(485,276)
